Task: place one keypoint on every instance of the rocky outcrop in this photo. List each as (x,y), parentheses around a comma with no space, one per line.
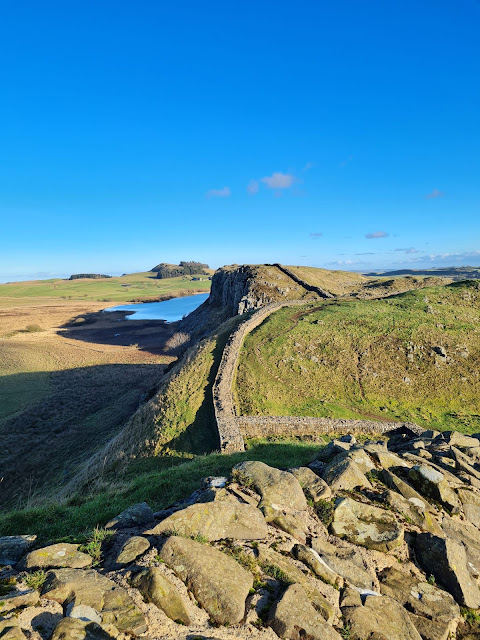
(293,616)
(57,555)
(367,526)
(218,582)
(383,560)
(215,521)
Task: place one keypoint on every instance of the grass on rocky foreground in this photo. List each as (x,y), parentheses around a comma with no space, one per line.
(375,359)
(159,488)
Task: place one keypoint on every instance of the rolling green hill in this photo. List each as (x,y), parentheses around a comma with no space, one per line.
(414,356)
(133,287)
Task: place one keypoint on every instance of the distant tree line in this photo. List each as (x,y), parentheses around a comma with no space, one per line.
(185,268)
(93,276)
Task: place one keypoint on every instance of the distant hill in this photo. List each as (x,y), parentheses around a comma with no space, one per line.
(455,273)
(92,276)
(185,268)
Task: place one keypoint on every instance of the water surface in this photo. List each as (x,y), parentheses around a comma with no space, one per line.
(168,310)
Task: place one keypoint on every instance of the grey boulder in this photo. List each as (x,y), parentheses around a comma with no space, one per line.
(293,617)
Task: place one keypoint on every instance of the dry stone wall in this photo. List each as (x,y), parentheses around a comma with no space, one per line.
(231,438)
(323,293)
(266,426)
(233,429)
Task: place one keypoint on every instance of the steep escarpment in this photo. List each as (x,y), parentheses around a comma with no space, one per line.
(239,289)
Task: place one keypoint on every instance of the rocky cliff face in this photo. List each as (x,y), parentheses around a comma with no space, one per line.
(236,290)
(239,289)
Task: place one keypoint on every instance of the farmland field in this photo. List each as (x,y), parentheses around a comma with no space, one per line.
(69,375)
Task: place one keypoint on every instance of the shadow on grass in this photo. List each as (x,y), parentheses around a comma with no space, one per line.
(73,414)
(150,480)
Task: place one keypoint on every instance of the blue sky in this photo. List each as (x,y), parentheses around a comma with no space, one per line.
(335,134)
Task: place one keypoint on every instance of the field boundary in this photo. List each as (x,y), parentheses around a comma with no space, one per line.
(233,429)
(323,293)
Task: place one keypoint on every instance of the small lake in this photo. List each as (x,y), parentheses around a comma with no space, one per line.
(168,310)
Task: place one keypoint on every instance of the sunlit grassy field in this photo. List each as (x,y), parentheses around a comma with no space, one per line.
(62,390)
(128,288)
(379,359)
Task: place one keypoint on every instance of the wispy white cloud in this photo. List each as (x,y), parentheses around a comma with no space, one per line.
(253,187)
(408,250)
(466,258)
(279,180)
(376,234)
(435,194)
(219,193)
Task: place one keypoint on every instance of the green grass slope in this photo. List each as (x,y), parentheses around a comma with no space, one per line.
(160,485)
(370,359)
(128,288)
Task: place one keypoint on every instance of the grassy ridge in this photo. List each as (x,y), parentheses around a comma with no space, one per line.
(131,287)
(370,359)
(160,486)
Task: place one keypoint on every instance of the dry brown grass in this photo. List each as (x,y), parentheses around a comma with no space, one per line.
(64,393)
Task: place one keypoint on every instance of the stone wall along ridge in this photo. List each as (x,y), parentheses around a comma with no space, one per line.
(233,429)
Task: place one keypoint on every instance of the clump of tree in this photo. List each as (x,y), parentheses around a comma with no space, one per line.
(185,268)
(92,276)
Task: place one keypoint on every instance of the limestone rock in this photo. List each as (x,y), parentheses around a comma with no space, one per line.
(132,549)
(447,561)
(313,486)
(13,632)
(294,617)
(90,588)
(433,484)
(415,511)
(459,440)
(345,475)
(385,458)
(367,526)
(279,489)
(290,523)
(360,457)
(137,515)
(156,588)
(56,556)
(120,610)
(73,629)
(12,548)
(218,582)
(381,618)
(85,587)
(16,599)
(334,448)
(396,483)
(420,597)
(319,567)
(84,613)
(345,562)
(433,629)
(471,505)
(467,535)
(269,558)
(216,521)
(464,463)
